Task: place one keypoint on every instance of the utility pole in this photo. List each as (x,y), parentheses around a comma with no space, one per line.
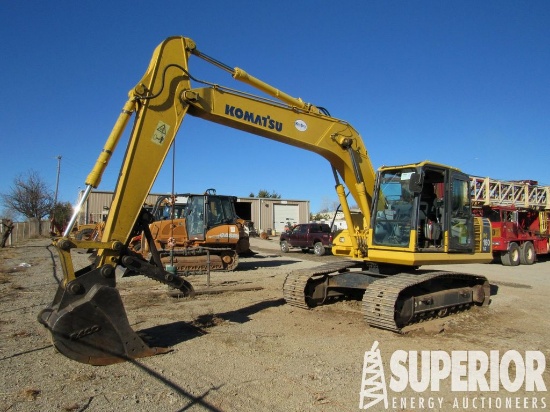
(57,180)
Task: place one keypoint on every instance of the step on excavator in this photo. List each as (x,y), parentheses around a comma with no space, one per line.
(411,215)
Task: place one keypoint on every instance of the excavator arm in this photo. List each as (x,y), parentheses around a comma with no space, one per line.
(159,112)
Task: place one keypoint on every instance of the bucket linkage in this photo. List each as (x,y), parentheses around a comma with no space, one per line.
(87,319)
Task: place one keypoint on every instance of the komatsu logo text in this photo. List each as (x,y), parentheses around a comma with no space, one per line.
(264,121)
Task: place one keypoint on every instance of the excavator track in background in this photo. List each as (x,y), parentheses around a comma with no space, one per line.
(198,261)
(296,283)
(389,302)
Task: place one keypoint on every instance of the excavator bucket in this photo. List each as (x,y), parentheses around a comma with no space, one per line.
(88,323)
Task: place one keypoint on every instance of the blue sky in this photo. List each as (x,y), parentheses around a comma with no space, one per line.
(464,83)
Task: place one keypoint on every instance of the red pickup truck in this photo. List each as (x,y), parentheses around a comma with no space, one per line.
(316,236)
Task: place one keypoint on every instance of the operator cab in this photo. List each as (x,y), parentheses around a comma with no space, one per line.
(209,210)
(423,207)
(201,212)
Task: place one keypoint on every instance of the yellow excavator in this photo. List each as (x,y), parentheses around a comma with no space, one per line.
(412,215)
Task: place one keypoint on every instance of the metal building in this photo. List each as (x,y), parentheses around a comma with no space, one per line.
(96,207)
(269,215)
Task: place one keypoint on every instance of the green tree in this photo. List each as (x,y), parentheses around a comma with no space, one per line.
(319,216)
(60,215)
(264,194)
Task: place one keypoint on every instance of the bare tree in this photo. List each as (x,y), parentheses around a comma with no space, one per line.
(7,227)
(29,196)
(329,205)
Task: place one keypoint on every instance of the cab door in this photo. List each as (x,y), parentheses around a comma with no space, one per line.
(460,224)
(299,236)
(196,217)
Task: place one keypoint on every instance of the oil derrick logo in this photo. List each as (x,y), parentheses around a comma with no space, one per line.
(373,382)
(467,373)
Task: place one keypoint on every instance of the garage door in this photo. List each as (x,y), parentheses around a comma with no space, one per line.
(284,214)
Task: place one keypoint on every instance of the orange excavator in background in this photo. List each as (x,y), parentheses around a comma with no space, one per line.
(411,215)
(195,233)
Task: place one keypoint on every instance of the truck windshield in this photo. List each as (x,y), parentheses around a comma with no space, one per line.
(393,218)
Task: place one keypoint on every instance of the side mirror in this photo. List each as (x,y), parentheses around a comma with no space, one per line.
(415,183)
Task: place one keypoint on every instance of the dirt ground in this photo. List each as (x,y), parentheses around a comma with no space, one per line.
(249,351)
